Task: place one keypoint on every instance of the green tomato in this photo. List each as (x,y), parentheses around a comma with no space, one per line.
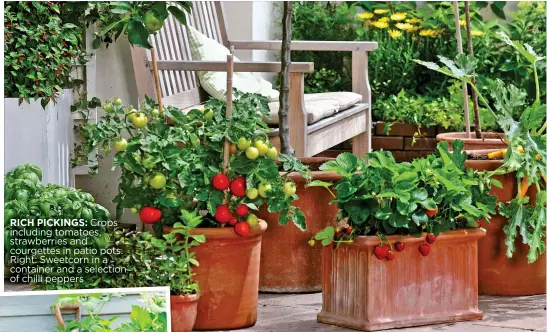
(251,153)
(252,220)
(263,189)
(272,153)
(243,143)
(133,210)
(158,181)
(151,22)
(251,193)
(140,120)
(289,188)
(209,115)
(108,108)
(131,114)
(155,112)
(148,162)
(120,145)
(117,102)
(262,148)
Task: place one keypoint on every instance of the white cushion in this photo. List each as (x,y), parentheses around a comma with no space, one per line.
(320,105)
(204,48)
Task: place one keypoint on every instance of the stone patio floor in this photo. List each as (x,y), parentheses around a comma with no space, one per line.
(298,313)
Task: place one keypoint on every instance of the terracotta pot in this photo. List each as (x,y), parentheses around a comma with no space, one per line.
(184,309)
(227,275)
(488,140)
(364,293)
(288,263)
(499,275)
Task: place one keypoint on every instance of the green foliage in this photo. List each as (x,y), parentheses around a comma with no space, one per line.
(384,197)
(152,317)
(26,198)
(189,153)
(41,48)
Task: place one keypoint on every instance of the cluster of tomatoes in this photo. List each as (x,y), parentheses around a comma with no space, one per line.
(242,221)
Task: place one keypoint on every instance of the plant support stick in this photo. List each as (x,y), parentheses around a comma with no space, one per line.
(285,80)
(473,79)
(156,79)
(464,86)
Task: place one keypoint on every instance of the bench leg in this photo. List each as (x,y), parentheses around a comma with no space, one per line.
(361,144)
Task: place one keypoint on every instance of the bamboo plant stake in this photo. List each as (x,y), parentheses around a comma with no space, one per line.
(156,79)
(229,97)
(474,97)
(464,86)
(283,112)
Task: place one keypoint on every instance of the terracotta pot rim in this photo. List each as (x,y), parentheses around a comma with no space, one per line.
(372,240)
(184,298)
(316,175)
(489,137)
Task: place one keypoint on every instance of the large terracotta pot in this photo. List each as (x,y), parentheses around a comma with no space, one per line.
(499,275)
(288,263)
(488,140)
(227,275)
(184,309)
(364,293)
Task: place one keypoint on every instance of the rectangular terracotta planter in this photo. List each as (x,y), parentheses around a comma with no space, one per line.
(364,293)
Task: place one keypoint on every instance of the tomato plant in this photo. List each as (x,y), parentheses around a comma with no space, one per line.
(187,150)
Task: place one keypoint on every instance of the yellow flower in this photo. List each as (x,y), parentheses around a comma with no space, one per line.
(365,16)
(383,19)
(413,20)
(430,33)
(380,11)
(476,33)
(404,26)
(380,25)
(395,33)
(398,16)
(463,23)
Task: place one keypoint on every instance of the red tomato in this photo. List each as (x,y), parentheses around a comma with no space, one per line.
(242,210)
(223,214)
(233,221)
(242,228)
(238,186)
(149,215)
(221,182)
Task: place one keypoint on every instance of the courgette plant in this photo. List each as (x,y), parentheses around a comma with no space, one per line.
(524,126)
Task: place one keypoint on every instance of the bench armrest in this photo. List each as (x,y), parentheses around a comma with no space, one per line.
(260,67)
(304,45)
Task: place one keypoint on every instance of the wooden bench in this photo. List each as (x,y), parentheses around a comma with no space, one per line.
(180,86)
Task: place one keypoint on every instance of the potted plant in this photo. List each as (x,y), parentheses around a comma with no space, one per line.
(520,170)
(407,231)
(180,164)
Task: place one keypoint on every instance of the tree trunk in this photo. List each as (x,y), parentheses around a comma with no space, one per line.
(285,80)
(474,97)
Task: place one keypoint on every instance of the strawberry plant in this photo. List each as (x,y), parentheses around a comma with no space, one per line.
(382,197)
(524,126)
(175,160)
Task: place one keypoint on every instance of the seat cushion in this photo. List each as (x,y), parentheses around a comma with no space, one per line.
(320,105)
(204,48)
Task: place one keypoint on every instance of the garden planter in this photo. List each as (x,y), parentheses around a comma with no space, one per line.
(499,275)
(365,293)
(184,309)
(488,140)
(228,278)
(288,263)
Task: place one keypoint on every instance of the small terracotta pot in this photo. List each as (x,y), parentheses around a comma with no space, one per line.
(288,264)
(364,293)
(227,275)
(499,275)
(488,140)
(184,309)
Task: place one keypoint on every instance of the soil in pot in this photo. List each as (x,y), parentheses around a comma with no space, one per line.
(288,263)
(488,140)
(184,309)
(227,275)
(365,293)
(499,275)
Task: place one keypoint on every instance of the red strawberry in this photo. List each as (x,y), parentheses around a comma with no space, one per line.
(399,246)
(233,221)
(238,186)
(223,214)
(390,256)
(242,210)
(221,182)
(380,252)
(424,249)
(430,238)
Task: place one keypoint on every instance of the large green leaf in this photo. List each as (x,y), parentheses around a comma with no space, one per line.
(138,34)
